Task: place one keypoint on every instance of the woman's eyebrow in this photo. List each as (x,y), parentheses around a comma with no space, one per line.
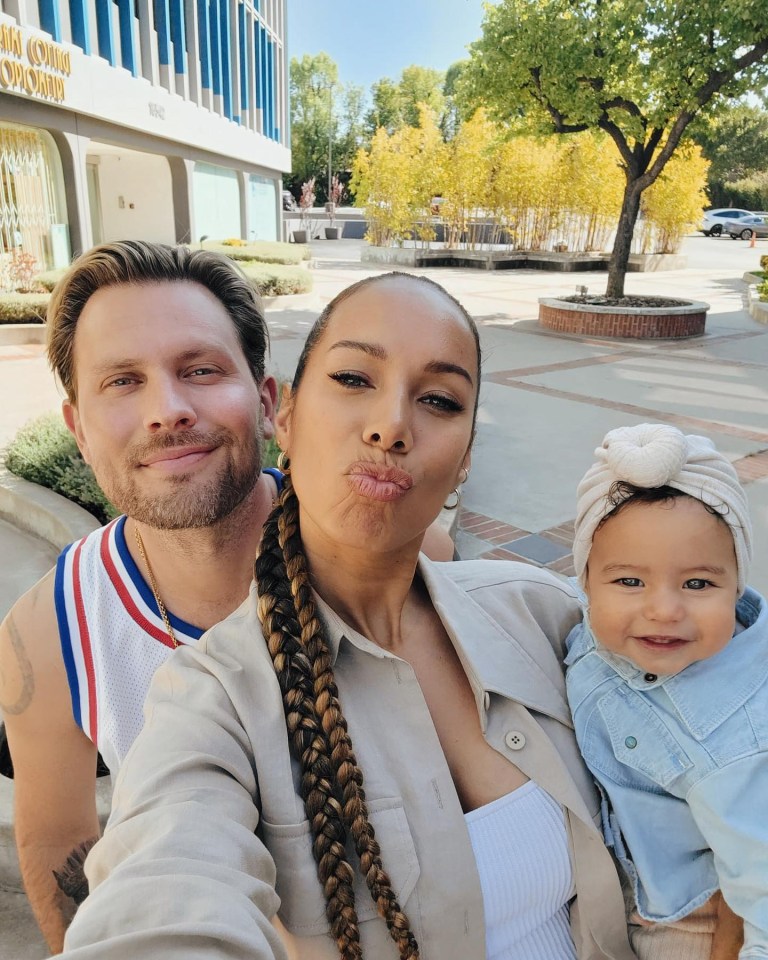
(443,366)
(372,349)
(379,353)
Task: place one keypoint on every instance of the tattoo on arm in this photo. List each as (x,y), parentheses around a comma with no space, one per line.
(22,700)
(71,876)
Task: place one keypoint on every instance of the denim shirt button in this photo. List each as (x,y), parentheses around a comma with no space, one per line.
(630,743)
(650,678)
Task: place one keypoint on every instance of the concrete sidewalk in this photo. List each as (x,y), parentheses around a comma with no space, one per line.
(546,403)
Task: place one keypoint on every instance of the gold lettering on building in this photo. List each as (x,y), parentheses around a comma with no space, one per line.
(40,77)
(10,40)
(44,53)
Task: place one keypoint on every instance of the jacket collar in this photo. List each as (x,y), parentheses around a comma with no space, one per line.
(494,659)
(708,692)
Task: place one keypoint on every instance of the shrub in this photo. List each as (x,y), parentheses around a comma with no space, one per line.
(764,262)
(263,251)
(762,290)
(49,279)
(45,452)
(23,307)
(273,280)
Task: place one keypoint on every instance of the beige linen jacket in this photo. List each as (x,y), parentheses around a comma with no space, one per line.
(208,839)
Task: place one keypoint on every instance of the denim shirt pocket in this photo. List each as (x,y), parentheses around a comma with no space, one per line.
(640,740)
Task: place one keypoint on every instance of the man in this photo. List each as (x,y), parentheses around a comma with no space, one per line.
(161,353)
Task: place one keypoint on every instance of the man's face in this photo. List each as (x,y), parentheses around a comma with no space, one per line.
(167,411)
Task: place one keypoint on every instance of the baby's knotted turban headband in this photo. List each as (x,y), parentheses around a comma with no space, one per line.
(656,455)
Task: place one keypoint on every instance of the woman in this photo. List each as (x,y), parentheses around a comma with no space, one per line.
(393,728)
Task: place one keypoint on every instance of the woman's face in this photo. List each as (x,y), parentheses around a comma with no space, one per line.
(380,426)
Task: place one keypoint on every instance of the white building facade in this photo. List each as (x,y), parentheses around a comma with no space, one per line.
(162,120)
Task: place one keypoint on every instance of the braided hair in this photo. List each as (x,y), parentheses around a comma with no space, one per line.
(331,780)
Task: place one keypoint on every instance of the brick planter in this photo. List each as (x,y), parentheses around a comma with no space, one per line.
(635,323)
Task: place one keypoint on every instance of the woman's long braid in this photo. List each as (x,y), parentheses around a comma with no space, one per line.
(348,776)
(308,742)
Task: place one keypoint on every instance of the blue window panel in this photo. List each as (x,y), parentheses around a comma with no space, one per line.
(225,36)
(204,36)
(49,18)
(213,29)
(271,92)
(178,36)
(262,76)
(78,18)
(105,33)
(163,36)
(127,41)
(242,23)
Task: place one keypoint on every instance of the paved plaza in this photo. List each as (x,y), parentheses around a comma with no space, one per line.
(546,402)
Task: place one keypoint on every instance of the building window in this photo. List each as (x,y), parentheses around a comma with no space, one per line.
(30,192)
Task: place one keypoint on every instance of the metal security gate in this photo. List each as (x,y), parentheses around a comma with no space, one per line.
(27,196)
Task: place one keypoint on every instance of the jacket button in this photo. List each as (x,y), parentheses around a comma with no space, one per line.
(650,678)
(515,740)
(630,743)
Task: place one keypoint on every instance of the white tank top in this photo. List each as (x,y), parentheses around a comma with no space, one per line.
(113,638)
(521,850)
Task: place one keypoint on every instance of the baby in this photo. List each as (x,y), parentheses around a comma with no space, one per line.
(668,678)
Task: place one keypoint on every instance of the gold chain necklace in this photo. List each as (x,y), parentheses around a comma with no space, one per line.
(153,584)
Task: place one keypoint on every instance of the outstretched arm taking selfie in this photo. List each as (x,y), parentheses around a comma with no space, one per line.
(54,762)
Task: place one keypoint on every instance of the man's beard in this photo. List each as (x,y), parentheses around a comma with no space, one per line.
(190,503)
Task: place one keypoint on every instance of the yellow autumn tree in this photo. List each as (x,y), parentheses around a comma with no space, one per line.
(468,181)
(593,185)
(673,204)
(396,179)
(527,192)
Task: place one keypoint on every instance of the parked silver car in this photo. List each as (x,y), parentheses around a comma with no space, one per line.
(744,227)
(712,220)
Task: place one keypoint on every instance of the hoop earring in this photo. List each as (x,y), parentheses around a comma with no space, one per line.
(283,463)
(452,506)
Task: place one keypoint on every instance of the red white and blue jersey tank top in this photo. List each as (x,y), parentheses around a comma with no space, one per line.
(113,638)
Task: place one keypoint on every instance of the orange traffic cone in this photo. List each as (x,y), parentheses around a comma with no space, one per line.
(752,239)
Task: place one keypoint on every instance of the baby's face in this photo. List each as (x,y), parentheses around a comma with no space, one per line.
(662,584)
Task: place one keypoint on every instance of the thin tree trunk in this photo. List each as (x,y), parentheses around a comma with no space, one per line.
(622,246)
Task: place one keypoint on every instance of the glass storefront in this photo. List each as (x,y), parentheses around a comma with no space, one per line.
(32,208)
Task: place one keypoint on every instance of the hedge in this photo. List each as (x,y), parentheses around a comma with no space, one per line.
(45,452)
(23,307)
(262,251)
(274,280)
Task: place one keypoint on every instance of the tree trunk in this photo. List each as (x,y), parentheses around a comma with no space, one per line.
(617,268)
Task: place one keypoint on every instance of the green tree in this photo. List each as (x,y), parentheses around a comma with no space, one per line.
(736,144)
(640,70)
(421,85)
(323,111)
(387,109)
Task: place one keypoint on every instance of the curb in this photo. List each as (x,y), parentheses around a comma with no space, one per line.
(20,334)
(42,512)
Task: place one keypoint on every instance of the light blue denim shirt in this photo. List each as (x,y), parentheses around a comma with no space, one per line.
(683,761)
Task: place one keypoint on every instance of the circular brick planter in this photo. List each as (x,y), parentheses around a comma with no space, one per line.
(636,323)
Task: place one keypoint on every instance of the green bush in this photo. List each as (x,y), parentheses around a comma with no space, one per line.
(45,452)
(762,290)
(274,280)
(49,279)
(23,307)
(263,251)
